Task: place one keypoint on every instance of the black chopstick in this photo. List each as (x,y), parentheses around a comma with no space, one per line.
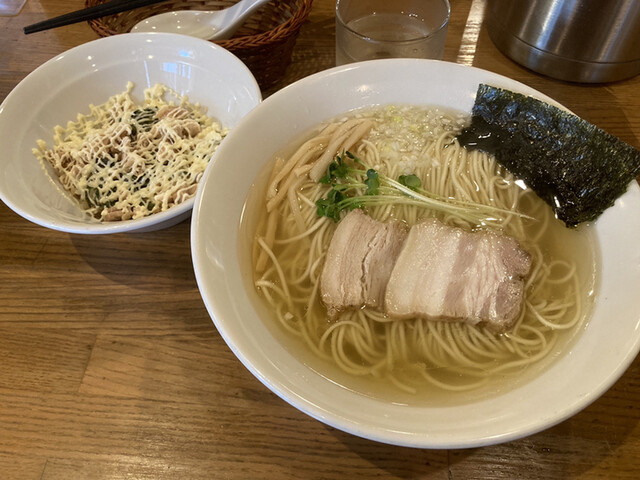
(97,11)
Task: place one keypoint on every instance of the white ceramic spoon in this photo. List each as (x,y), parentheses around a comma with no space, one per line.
(214,25)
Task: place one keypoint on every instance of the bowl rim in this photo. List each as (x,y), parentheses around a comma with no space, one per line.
(263,368)
(168,217)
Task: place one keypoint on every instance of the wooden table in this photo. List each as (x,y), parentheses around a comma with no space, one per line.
(110,366)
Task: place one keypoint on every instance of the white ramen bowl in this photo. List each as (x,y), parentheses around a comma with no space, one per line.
(591,365)
(58,90)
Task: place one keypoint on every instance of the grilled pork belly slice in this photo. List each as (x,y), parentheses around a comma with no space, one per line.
(359,261)
(446,273)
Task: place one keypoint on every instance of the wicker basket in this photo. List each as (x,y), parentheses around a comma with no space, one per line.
(264,43)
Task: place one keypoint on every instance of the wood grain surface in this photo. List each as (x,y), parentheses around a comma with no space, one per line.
(110,367)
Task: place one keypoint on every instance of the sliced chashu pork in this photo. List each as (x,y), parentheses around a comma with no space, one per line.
(436,272)
(446,273)
(359,261)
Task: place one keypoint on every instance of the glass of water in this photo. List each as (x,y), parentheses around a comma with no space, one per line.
(368,29)
(10,7)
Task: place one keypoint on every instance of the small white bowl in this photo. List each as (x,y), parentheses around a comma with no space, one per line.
(602,352)
(64,86)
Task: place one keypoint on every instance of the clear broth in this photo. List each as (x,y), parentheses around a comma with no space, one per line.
(578,244)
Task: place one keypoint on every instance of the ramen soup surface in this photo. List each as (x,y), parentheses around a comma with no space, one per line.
(284,243)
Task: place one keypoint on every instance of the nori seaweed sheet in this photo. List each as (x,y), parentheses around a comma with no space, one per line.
(574,166)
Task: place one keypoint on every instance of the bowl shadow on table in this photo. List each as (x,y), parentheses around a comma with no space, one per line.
(590,442)
(396,461)
(140,260)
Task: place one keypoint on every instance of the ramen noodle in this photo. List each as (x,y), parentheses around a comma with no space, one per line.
(292,241)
